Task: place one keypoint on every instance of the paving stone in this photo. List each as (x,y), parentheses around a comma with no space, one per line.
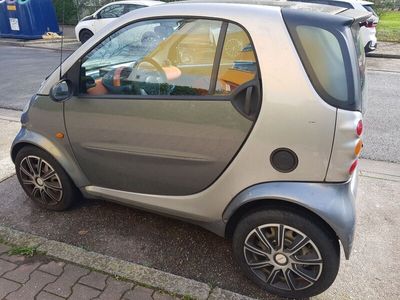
(13,258)
(53,267)
(30,289)
(95,279)
(220,294)
(6,266)
(4,248)
(139,293)
(21,274)
(47,296)
(83,292)
(159,296)
(7,286)
(63,285)
(115,289)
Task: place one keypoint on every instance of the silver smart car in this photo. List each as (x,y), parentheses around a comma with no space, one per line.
(244,117)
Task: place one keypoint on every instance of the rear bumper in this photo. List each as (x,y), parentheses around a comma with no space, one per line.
(332,202)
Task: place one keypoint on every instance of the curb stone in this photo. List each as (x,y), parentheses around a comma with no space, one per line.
(381,55)
(142,275)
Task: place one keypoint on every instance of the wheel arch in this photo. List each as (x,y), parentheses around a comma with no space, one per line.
(332,205)
(267,204)
(65,159)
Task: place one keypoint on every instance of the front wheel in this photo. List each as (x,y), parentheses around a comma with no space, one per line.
(286,253)
(84,35)
(44,180)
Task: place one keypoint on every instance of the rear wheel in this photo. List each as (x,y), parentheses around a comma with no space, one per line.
(44,180)
(286,253)
(84,35)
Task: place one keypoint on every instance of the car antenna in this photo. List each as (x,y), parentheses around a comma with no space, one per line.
(62,37)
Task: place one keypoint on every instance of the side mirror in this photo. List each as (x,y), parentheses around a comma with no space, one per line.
(61,91)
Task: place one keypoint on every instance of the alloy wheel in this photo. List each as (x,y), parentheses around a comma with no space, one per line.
(40,180)
(283,257)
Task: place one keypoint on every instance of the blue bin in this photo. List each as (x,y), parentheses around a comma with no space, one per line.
(27,19)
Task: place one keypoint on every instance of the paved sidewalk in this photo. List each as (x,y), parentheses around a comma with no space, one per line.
(42,278)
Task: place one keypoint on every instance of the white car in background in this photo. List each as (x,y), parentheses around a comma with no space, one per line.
(91,24)
(368,29)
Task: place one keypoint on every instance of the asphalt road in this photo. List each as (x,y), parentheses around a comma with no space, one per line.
(21,72)
(23,69)
(190,251)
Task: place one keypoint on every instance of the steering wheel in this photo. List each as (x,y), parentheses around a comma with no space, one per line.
(152,82)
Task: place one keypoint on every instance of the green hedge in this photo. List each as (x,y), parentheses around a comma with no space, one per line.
(71,11)
(71,16)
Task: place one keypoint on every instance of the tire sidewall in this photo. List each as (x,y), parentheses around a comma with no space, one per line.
(69,189)
(326,243)
(85,35)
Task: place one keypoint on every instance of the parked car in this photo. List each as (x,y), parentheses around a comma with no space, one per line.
(368,29)
(91,24)
(242,117)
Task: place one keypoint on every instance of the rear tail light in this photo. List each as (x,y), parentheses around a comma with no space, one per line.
(371,24)
(358,148)
(368,24)
(359,128)
(353,166)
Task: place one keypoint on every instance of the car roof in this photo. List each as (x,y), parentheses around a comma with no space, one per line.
(312,7)
(356,1)
(362,2)
(138,2)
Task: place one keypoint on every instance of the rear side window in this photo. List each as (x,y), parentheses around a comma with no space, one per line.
(370,9)
(112,11)
(327,51)
(324,61)
(131,7)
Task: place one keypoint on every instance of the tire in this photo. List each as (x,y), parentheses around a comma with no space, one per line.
(84,35)
(279,271)
(48,186)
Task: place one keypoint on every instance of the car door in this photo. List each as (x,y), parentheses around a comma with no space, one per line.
(164,105)
(107,15)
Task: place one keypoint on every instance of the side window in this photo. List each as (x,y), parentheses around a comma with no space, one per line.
(324,61)
(130,7)
(156,57)
(238,63)
(112,11)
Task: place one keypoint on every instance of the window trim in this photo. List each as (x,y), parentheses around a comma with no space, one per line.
(74,75)
(217,58)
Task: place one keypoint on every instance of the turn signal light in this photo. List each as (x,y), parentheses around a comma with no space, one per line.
(359,129)
(353,166)
(358,148)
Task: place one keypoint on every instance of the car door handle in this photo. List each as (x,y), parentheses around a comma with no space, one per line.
(246,100)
